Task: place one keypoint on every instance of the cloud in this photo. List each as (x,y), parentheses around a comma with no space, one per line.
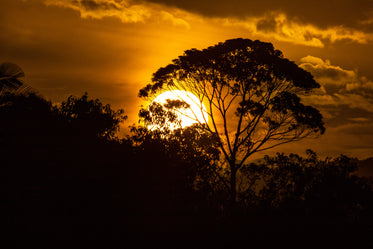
(361,120)
(348,98)
(277,25)
(352,139)
(269,24)
(128,11)
(319,13)
(366,23)
(340,102)
(325,72)
(355,101)
(362,85)
(349,125)
(336,79)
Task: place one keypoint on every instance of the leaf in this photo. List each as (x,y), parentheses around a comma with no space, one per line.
(10,75)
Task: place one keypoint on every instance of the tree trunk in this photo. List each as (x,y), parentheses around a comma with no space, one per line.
(233,180)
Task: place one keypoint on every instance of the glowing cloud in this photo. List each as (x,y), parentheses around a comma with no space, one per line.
(278,26)
(128,11)
(343,90)
(335,78)
(272,25)
(324,71)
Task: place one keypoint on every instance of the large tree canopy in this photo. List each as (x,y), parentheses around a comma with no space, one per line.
(251,93)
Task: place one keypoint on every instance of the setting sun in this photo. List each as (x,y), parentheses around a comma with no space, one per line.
(195,113)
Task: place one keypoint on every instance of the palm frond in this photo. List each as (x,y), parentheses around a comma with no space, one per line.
(10,76)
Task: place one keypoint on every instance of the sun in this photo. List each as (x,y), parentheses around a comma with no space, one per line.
(195,113)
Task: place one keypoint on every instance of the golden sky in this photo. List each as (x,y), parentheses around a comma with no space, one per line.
(110,48)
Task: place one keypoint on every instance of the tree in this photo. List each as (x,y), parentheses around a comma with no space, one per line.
(163,117)
(89,117)
(191,150)
(55,179)
(252,96)
(299,186)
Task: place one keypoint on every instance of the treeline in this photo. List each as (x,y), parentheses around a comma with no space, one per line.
(70,182)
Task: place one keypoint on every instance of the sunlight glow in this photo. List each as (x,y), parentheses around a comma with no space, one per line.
(196,113)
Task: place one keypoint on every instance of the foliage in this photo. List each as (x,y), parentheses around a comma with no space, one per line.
(63,188)
(25,118)
(308,186)
(28,114)
(56,180)
(162,117)
(90,117)
(190,150)
(10,75)
(252,96)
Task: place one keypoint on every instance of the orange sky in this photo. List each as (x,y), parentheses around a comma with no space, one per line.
(110,48)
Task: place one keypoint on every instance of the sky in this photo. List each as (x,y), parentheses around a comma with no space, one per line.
(111,48)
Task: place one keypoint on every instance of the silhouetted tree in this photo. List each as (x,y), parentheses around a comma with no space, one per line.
(175,181)
(191,154)
(292,185)
(251,92)
(89,117)
(292,199)
(24,117)
(62,186)
(163,116)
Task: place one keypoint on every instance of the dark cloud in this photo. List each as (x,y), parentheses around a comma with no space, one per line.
(335,79)
(319,12)
(358,128)
(344,114)
(346,102)
(272,23)
(267,25)
(335,74)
